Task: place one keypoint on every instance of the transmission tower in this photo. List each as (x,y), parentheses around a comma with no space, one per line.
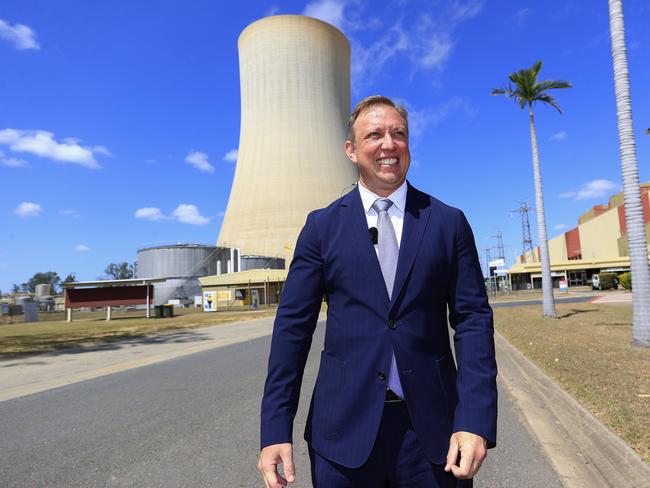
(500,247)
(527,240)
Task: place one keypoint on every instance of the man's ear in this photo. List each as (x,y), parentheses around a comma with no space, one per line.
(349,150)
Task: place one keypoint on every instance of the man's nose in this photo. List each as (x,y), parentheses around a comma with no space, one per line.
(387,142)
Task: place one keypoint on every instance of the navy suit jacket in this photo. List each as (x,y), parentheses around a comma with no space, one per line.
(438,273)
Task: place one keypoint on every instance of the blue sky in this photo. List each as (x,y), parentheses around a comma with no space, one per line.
(119,121)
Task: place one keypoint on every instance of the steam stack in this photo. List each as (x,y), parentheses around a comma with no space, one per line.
(295,103)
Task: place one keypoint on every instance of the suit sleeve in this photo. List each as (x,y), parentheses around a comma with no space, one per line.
(470,316)
(294,326)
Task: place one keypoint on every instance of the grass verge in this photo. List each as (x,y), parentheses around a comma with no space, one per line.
(91,327)
(588,351)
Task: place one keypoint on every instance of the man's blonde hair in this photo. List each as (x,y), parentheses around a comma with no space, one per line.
(371,101)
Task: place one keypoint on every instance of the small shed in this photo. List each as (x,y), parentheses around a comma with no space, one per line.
(109,293)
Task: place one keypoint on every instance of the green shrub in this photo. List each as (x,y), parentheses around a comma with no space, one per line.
(607,280)
(626,280)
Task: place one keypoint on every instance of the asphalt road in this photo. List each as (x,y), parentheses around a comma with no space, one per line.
(191,421)
(585,298)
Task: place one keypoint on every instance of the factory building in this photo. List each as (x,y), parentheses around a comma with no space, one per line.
(295,103)
(597,244)
(182,265)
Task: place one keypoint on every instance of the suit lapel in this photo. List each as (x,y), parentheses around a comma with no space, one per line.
(356,225)
(416,218)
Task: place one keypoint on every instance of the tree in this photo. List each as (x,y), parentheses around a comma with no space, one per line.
(636,238)
(70,278)
(526,92)
(119,271)
(48,278)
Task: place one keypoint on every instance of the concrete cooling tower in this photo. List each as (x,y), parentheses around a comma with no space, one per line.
(295,103)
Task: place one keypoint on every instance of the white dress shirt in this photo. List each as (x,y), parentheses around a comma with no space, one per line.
(396,210)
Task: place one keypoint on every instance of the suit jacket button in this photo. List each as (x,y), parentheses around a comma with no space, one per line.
(381,376)
(392,324)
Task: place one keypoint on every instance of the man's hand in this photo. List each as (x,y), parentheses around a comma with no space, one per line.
(270,457)
(472,449)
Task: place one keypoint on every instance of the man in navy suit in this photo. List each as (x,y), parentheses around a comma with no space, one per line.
(390,408)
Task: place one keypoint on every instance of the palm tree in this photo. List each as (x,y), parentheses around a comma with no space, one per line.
(636,238)
(525,90)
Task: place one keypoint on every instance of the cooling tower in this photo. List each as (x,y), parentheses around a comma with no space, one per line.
(295,103)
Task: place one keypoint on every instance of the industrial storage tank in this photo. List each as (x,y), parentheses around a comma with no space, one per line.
(183,264)
(295,104)
(43,290)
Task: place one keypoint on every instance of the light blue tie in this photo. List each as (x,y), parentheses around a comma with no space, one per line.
(388,254)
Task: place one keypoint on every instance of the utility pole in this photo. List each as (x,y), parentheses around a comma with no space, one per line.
(527,240)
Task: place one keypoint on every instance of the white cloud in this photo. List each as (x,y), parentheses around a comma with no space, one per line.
(20,35)
(43,144)
(231,156)
(591,189)
(13,162)
(427,42)
(69,212)
(200,161)
(330,11)
(520,16)
(149,213)
(28,209)
(189,214)
(559,136)
(560,227)
(420,119)
(81,248)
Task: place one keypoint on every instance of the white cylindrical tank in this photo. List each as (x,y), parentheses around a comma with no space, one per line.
(42,290)
(182,264)
(295,104)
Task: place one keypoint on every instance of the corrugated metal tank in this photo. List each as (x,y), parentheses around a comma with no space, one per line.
(43,290)
(261,262)
(185,263)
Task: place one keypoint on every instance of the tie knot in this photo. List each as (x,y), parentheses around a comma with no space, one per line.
(382,204)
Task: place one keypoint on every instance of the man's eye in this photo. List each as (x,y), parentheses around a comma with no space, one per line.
(400,133)
(373,134)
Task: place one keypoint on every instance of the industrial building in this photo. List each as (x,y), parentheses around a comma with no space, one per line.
(597,244)
(182,265)
(295,104)
(254,286)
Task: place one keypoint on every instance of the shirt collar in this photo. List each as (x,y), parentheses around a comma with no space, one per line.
(398,197)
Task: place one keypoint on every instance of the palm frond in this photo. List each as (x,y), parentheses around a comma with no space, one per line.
(553,85)
(549,99)
(526,90)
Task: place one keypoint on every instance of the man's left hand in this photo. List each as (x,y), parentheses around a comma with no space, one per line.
(472,449)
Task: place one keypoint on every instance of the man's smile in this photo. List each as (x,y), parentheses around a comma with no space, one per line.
(387,161)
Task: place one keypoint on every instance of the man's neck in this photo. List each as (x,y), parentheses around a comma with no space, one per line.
(379,192)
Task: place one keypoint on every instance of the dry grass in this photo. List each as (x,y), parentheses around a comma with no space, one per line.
(588,351)
(52,332)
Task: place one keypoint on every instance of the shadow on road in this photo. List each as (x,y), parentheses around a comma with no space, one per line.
(89,344)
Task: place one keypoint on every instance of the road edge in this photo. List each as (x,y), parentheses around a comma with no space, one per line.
(584,452)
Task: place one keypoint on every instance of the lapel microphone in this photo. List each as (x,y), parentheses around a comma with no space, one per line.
(374,235)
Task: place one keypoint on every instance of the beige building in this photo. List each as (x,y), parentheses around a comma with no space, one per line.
(295,103)
(260,286)
(597,244)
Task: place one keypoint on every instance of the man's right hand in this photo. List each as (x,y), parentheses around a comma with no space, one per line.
(270,457)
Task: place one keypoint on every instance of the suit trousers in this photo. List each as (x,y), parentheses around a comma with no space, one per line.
(396,461)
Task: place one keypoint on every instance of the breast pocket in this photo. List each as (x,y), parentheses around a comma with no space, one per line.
(328,393)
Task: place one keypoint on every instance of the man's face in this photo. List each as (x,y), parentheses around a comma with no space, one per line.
(381,149)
